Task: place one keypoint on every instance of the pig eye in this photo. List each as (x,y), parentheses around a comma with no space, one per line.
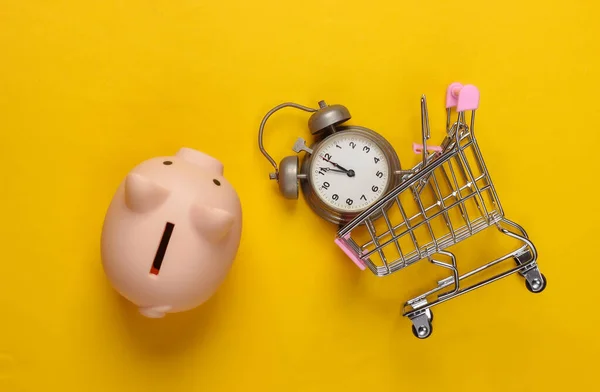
(217,183)
(167,163)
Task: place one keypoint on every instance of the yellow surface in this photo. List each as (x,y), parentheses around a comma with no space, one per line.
(90,88)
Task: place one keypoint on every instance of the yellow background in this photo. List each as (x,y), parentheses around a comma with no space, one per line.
(88,89)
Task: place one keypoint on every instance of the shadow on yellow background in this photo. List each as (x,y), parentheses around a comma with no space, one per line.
(88,89)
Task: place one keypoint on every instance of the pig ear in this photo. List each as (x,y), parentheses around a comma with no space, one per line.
(142,194)
(201,159)
(212,223)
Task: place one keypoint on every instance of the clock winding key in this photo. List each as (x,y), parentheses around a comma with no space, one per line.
(300,145)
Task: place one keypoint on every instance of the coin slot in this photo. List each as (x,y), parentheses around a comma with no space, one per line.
(162,248)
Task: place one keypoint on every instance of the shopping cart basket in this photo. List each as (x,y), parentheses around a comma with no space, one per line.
(446,198)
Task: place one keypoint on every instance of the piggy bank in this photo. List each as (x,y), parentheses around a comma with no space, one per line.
(171,232)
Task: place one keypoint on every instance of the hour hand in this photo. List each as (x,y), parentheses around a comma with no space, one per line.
(335,164)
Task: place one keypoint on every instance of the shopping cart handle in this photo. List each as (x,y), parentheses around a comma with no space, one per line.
(468,98)
(452,94)
(349,252)
(462,97)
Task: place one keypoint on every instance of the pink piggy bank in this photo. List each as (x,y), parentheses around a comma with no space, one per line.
(171,233)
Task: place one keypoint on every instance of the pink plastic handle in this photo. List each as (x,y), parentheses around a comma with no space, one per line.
(349,252)
(468,99)
(452,94)
(418,148)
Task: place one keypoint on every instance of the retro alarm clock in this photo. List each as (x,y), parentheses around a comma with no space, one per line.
(345,170)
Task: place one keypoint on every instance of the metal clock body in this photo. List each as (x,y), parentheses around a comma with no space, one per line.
(368,171)
(346,170)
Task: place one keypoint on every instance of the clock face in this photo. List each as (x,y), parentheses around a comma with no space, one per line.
(349,172)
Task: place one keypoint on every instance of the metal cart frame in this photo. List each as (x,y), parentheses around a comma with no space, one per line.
(447,186)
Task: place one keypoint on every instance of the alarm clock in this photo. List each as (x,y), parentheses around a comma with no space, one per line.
(343,172)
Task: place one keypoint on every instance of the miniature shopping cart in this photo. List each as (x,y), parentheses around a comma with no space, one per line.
(443,200)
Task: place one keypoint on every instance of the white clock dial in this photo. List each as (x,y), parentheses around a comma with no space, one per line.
(349,172)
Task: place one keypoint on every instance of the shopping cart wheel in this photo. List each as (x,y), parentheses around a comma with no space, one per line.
(536,287)
(421,323)
(423,331)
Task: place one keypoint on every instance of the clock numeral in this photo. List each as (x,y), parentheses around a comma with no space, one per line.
(335,196)
(338,146)
(321,171)
(367,149)
(349,201)
(374,188)
(363,197)
(326,185)
(352,144)
(379,174)
(327,156)
(376,159)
